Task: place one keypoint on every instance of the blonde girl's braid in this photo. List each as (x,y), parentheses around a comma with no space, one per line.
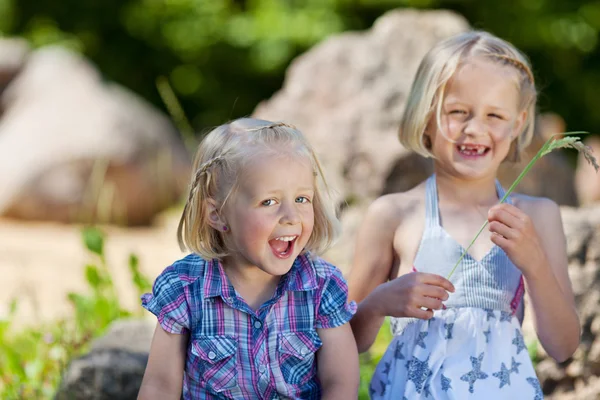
(271,126)
(204,170)
(517,64)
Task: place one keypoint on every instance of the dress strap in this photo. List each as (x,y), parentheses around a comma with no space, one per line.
(500,190)
(519,292)
(432,214)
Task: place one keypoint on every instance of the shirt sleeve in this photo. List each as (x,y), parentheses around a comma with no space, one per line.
(334,309)
(168,302)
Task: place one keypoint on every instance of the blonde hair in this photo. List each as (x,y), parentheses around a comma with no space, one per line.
(217,167)
(437,68)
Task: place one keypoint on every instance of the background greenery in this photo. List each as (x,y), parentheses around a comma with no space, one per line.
(223,56)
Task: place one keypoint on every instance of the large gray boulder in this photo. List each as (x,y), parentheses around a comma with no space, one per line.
(348,93)
(114,367)
(76,149)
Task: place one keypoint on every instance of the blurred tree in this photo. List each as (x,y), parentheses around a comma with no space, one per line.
(223,56)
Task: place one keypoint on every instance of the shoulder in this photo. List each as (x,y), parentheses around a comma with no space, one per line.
(392,208)
(544,212)
(325,276)
(187,270)
(535,206)
(323,269)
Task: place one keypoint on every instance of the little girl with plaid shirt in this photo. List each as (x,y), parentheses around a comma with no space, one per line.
(253,313)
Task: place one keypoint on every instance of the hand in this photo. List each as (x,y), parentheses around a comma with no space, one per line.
(413,295)
(513,231)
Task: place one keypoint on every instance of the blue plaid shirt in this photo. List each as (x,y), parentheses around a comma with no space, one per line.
(235,352)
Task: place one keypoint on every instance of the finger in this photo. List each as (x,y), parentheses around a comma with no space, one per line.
(436,280)
(510,208)
(434,291)
(505,217)
(430,303)
(420,313)
(501,241)
(502,230)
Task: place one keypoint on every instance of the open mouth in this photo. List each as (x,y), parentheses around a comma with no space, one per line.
(283,246)
(472,150)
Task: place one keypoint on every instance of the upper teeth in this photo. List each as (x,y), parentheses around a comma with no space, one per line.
(286,238)
(479,150)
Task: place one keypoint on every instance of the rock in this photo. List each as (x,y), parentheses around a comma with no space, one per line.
(74,149)
(577,377)
(587,180)
(13,54)
(114,368)
(348,93)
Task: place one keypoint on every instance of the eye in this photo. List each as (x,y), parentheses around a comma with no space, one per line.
(495,116)
(459,112)
(302,199)
(268,202)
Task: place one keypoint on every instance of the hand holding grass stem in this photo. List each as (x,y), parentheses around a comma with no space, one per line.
(551,144)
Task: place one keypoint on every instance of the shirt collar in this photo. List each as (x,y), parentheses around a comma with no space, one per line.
(301,277)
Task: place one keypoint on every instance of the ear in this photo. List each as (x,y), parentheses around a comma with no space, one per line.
(213,217)
(520,124)
(426,141)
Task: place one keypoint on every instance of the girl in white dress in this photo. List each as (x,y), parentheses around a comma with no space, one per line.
(471,107)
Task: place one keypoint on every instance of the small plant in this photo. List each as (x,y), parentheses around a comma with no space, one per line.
(33,360)
(370,359)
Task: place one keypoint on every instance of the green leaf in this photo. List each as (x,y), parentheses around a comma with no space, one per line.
(141,282)
(12,308)
(92,276)
(93,239)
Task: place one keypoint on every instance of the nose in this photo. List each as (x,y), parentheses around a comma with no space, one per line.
(289,214)
(474,126)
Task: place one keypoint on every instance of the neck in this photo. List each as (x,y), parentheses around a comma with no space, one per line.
(254,285)
(481,191)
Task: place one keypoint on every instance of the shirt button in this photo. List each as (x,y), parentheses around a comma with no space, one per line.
(211,355)
(304,350)
(257,324)
(262,369)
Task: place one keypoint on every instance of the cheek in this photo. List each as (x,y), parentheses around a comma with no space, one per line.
(451,127)
(502,132)
(308,218)
(250,228)
(257,227)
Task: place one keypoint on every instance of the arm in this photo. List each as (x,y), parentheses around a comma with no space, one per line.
(163,378)
(535,242)
(337,363)
(368,279)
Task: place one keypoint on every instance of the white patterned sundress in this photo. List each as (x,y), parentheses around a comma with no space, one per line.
(472,349)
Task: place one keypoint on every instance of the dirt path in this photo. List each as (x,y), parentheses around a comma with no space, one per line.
(41,262)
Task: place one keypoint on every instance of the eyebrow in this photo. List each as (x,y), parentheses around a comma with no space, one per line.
(460,103)
(302,189)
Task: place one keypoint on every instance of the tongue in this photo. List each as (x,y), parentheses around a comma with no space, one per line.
(279,245)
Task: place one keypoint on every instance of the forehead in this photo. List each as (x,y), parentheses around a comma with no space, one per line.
(276,171)
(480,80)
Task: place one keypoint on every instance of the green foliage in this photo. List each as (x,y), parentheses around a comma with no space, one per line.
(33,359)
(370,359)
(224,56)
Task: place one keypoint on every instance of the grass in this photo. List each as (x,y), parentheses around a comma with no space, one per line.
(370,359)
(34,359)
